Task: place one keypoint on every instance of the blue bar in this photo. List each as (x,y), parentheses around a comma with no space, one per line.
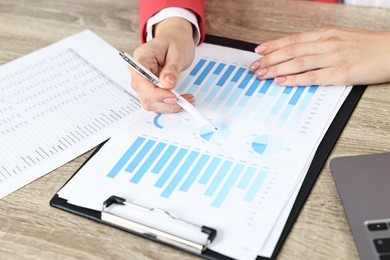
(125,157)
(209,171)
(204,73)
(246,178)
(195,172)
(238,75)
(212,94)
(246,80)
(267,84)
(207,85)
(234,97)
(279,103)
(211,79)
(185,84)
(255,186)
(226,91)
(218,178)
(171,167)
(287,111)
(275,90)
(287,90)
(253,87)
(163,160)
(148,162)
(306,100)
(296,96)
(179,175)
(141,154)
(243,101)
(227,186)
(219,68)
(226,75)
(313,89)
(197,67)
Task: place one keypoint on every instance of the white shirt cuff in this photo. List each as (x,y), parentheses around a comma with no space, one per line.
(172,12)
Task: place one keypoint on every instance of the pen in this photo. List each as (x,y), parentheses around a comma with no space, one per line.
(144,72)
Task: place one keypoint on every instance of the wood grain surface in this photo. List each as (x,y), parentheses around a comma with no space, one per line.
(31,229)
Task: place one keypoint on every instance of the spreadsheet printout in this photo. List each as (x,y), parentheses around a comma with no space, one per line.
(57,103)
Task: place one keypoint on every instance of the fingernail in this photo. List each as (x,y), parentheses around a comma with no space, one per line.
(170,100)
(191,100)
(254,66)
(170,79)
(261,72)
(280,80)
(260,48)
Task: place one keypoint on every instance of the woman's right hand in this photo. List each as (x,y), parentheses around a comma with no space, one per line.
(169,53)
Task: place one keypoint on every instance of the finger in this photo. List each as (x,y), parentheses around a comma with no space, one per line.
(274,45)
(169,75)
(176,61)
(296,65)
(326,76)
(141,85)
(157,99)
(159,107)
(293,51)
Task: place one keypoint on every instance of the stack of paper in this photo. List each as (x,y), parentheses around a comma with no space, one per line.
(241,180)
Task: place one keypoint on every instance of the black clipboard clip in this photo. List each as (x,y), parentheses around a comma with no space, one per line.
(154,233)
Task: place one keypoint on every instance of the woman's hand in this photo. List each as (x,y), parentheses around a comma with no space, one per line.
(326,57)
(167,55)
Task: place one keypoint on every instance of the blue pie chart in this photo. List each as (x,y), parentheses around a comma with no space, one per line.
(267,144)
(209,134)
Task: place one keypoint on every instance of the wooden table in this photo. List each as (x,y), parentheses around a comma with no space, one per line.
(31,229)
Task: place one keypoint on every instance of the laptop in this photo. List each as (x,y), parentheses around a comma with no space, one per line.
(363,183)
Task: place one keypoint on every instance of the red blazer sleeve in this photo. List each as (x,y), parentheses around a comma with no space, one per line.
(148,8)
(325,1)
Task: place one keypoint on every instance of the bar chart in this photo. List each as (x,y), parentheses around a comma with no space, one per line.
(233,89)
(178,169)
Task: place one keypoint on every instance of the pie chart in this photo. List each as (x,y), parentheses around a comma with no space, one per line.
(267,144)
(209,134)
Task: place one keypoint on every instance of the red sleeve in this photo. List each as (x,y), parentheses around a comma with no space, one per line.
(325,1)
(148,8)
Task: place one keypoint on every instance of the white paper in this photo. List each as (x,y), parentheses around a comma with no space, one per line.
(59,102)
(267,139)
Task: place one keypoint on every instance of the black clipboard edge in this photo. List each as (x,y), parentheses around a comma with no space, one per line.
(323,151)
(60,203)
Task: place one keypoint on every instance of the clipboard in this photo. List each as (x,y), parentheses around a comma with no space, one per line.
(324,149)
